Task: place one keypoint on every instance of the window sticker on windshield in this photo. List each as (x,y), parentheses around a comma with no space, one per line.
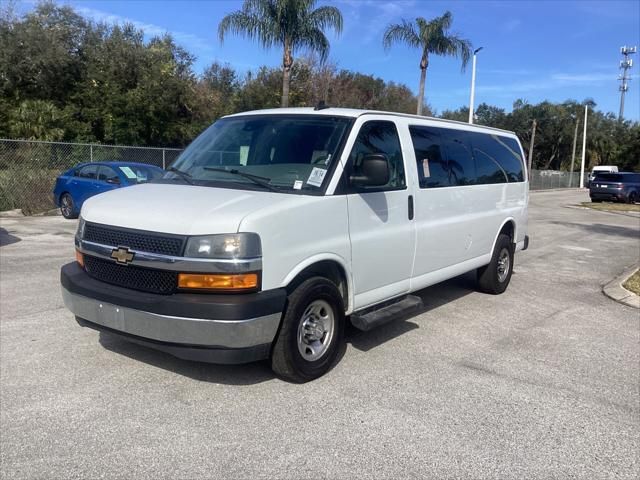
(297,185)
(128,172)
(316,176)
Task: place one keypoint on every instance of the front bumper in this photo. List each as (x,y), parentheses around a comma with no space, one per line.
(204,327)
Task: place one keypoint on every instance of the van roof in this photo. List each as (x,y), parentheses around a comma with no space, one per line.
(355,113)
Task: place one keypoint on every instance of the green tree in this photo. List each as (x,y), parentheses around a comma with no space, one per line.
(36,120)
(433,38)
(291,24)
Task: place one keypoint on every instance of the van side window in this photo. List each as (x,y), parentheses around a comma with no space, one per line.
(513,163)
(458,150)
(433,168)
(498,158)
(380,137)
(489,170)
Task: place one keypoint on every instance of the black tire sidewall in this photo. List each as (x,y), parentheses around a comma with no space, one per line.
(73,206)
(313,289)
(504,241)
(488,276)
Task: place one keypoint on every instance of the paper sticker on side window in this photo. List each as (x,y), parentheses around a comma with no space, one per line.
(128,172)
(316,176)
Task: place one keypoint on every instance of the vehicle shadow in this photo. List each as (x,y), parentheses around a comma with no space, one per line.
(258,372)
(628,232)
(7,239)
(248,374)
(432,298)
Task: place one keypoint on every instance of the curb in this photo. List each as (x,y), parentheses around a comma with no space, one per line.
(617,292)
(11,213)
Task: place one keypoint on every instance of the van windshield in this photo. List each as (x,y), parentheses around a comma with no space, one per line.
(272,152)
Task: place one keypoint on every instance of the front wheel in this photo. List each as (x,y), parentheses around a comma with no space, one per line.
(67,208)
(495,277)
(311,332)
(633,197)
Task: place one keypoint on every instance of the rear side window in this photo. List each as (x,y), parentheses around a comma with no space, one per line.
(380,137)
(90,171)
(433,168)
(107,174)
(498,158)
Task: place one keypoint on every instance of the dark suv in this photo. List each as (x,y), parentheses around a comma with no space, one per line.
(615,187)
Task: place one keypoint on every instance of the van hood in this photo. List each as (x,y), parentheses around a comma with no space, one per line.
(179,209)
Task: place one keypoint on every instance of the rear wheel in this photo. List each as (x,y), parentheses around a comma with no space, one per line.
(495,277)
(633,197)
(67,207)
(311,332)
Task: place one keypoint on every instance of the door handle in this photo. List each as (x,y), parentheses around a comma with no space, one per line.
(410,207)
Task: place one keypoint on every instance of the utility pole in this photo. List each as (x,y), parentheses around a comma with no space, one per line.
(625,64)
(533,139)
(473,84)
(573,155)
(584,146)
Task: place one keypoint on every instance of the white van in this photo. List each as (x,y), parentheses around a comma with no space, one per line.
(275,227)
(601,169)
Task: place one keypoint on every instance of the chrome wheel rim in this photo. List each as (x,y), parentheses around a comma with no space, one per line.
(66,205)
(315,330)
(503,265)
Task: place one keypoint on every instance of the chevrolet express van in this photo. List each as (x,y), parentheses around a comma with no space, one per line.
(276,227)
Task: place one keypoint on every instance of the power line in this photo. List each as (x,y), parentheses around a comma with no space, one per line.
(625,64)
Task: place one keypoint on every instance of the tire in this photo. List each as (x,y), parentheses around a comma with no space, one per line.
(67,206)
(633,197)
(494,278)
(311,332)
(595,200)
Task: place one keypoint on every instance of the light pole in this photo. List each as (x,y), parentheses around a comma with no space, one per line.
(473,84)
(584,146)
(573,155)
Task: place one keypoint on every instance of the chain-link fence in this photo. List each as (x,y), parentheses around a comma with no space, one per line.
(548,179)
(28,169)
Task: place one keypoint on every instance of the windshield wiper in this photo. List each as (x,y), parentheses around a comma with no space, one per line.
(184,175)
(262,181)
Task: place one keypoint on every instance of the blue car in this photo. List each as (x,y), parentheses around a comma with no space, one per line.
(85,180)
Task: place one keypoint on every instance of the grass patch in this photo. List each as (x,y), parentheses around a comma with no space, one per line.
(612,207)
(633,283)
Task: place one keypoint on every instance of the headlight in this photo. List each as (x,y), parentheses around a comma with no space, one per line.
(228,246)
(80,231)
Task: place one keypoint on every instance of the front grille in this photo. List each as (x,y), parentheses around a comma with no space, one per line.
(129,276)
(162,243)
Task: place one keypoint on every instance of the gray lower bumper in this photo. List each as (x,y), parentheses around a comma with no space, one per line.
(174,331)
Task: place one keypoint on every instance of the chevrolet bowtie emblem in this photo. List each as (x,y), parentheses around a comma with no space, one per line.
(122,255)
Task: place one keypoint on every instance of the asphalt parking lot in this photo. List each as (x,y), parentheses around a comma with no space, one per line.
(541,382)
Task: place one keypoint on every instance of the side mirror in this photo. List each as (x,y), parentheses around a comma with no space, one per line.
(114,181)
(373,172)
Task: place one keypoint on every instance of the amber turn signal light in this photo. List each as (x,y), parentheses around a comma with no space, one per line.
(80,258)
(241,281)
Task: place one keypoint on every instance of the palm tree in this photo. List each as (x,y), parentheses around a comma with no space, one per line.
(432,38)
(291,24)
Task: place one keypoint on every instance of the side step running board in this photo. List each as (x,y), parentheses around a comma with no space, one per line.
(370,319)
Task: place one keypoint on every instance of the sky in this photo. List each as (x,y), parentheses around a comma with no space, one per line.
(534,50)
